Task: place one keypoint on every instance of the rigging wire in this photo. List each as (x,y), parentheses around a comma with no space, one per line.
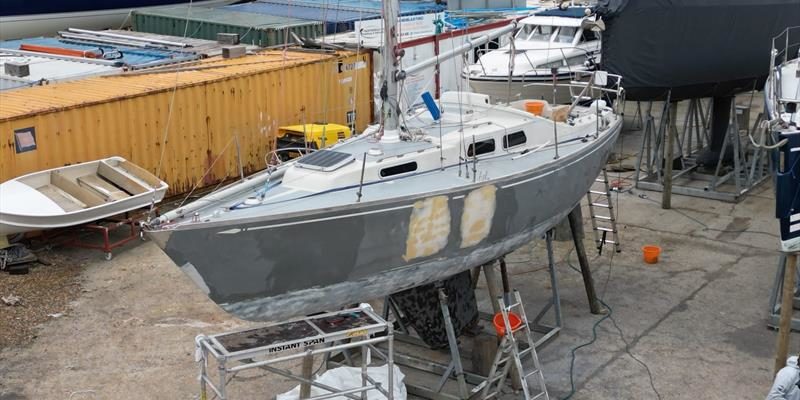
(169,116)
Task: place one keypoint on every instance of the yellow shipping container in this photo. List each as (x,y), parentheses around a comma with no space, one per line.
(203,110)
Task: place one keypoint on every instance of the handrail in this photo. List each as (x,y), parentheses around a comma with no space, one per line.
(566,66)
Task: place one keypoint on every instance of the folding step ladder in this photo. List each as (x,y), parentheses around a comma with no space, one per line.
(509,351)
(603,222)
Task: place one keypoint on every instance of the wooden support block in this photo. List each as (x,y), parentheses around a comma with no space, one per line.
(483,352)
(785,324)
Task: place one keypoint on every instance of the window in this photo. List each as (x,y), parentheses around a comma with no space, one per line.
(542,33)
(398,169)
(524,31)
(482,147)
(514,139)
(566,34)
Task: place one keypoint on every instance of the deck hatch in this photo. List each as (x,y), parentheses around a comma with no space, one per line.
(325,160)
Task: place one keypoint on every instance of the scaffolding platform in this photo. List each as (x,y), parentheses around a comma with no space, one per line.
(297,339)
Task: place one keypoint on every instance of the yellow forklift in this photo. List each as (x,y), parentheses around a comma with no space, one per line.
(315,136)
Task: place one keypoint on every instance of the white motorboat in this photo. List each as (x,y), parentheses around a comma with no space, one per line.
(552,43)
(76,194)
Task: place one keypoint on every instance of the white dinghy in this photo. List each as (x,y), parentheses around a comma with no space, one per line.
(76,194)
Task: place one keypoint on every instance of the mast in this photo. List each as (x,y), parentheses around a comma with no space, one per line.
(391,65)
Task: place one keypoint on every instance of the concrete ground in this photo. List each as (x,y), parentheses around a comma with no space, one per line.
(696,320)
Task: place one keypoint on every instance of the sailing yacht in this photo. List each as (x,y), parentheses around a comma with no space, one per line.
(782,98)
(550,44)
(425,194)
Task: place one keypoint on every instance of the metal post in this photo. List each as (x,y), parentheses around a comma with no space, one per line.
(672,130)
(203,372)
(222,379)
(786,312)
(491,284)
(453,343)
(390,361)
(588,281)
(551,265)
(504,278)
(364,361)
(307,370)
(361,182)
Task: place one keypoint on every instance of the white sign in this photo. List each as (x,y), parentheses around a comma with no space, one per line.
(370,32)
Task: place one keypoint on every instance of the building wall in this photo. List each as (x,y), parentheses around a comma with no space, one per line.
(214,106)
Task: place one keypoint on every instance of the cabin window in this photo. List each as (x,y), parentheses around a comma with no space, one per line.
(525,31)
(482,147)
(398,169)
(566,34)
(541,33)
(514,139)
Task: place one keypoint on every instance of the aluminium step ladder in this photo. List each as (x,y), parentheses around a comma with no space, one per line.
(509,351)
(603,222)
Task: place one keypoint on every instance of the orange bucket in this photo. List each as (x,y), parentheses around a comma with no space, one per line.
(513,319)
(651,253)
(534,107)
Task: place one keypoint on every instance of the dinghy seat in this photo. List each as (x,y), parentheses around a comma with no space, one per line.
(69,195)
(64,200)
(103,188)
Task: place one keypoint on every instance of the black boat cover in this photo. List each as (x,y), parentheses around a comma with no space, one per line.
(696,48)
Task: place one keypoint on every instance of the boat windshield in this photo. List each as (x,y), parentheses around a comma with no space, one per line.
(535,32)
(566,34)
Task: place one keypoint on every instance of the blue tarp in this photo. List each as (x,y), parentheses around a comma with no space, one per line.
(131,56)
(570,12)
(336,20)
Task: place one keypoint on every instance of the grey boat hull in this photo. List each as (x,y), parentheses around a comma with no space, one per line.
(300,264)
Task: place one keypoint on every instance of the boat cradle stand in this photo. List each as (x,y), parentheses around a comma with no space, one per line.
(667,159)
(301,338)
(468,384)
(75,236)
(776,296)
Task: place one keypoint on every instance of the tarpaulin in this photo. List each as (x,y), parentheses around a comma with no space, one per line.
(696,48)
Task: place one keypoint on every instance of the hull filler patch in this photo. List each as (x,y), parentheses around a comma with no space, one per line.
(428,228)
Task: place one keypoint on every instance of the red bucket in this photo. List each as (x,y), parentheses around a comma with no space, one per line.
(513,319)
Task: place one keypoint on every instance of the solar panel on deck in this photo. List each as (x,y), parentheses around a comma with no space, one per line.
(325,160)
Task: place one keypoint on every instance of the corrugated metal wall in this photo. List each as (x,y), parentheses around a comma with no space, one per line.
(214,104)
(204,23)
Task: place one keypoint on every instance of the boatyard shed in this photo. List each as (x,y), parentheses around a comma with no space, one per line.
(196,115)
